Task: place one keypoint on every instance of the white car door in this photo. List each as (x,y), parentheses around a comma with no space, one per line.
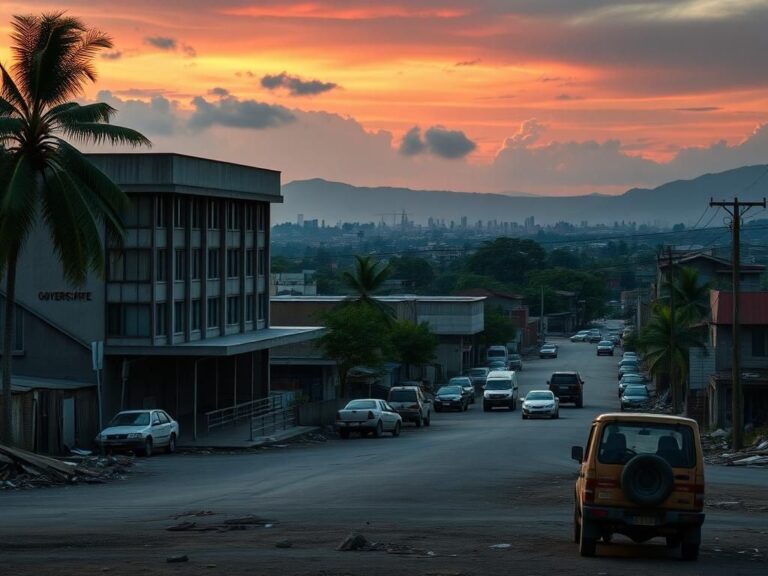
(388,415)
(160,432)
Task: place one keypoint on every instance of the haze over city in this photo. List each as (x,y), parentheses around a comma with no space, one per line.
(556,97)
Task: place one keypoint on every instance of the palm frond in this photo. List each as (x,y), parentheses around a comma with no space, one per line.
(10,126)
(12,95)
(18,201)
(73,113)
(93,132)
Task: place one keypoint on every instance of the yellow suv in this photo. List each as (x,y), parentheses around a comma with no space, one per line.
(641,475)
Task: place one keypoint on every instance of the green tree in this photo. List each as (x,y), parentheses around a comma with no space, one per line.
(44,178)
(507,259)
(691,294)
(413,344)
(588,286)
(364,281)
(355,336)
(418,272)
(499,328)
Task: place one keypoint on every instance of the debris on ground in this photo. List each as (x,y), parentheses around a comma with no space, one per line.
(20,469)
(284,544)
(359,543)
(175,559)
(717,450)
(227,525)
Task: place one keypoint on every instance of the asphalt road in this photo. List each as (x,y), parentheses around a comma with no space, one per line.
(469,481)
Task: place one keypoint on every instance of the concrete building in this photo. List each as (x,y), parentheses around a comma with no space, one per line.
(183,313)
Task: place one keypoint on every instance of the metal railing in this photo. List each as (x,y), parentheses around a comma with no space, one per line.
(273,421)
(243,411)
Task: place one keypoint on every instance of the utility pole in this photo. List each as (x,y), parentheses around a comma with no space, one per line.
(736,209)
(543,339)
(675,389)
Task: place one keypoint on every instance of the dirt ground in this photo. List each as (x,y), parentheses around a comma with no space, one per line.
(529,546)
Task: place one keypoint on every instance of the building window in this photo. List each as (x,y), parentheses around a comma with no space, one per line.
(759,342)
(262,261)
(233,262)
(179,213)
(195,315)
(161,310)
(180,265)
(233,309)
(249,262)
(214,214)
(213,312)
(178,317)
(262,300)
(197,263)
(249,220)
(161,265)
(233,216)
(129,265)
(249,307)
(160,215)
(213,263)
(197,213)
(261,217)
(139,212)
(129,320)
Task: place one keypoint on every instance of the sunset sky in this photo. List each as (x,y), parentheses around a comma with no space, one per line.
(533,96)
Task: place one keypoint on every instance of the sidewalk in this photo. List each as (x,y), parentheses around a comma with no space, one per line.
(237,437)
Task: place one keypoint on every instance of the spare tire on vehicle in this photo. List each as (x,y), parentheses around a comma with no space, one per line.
(647,480)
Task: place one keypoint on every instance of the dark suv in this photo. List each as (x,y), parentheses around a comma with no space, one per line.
(411,403)
(568,387)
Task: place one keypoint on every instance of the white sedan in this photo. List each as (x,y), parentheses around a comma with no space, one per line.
(140,430)
(368,416)
(541,404)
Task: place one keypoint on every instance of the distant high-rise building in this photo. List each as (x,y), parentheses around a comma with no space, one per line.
(300,220)
(463,221)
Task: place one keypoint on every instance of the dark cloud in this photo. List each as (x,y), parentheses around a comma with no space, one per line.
(699,109)
(568,97)
(218,91)
(189,51)
(448,143)
(295,85)
(116,55)
(412,144)
(156,117)
(161,42)
(235,113)
(468,62)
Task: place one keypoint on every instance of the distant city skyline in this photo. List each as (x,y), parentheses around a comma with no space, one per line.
(557,97)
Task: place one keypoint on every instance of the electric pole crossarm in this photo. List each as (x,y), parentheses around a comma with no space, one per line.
(736,209)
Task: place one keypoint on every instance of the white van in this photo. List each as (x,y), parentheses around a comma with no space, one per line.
(500,390)
(497,353)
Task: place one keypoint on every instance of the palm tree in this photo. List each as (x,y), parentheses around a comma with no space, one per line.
(367,278)
(691,295)
(665,340)
(43,178)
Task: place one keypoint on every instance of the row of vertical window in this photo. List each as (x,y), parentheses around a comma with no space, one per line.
(139,213)
(133,320)
(134,265)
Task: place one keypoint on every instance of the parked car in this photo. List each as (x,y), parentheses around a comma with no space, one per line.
(641,475)
(635,397)
(466,384)
(628,355)
(411,403)
(615,339)
(594,336)
(497,365)
(632,379)
(368,416)
(451,397)
(515,362)
(501,389)
(478,376)
(628,367)
(605,348)
(540,403)
(141,431)
(580,336)
(568,387)
(548,351)
(497,352)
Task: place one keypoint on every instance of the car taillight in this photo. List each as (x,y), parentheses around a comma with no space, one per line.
(589,490)
(370,415)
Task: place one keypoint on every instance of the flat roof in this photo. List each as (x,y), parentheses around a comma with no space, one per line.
(172,173)
(225,345)
(28,383)
(396,298)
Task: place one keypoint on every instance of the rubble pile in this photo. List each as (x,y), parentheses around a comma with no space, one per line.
(717,450)
(20,469)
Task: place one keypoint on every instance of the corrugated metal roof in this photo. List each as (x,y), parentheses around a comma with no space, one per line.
(753,308)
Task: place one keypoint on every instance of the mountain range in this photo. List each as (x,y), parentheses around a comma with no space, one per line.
(681,201)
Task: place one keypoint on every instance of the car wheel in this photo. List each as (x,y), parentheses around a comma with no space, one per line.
(486,408)
(419,421)
(171,444)
(379,430)
(556,415)
(148,447)
(690,551)
(344,433)
(524,416)
(587,546)
(428,419)
(437,409)
(396,430)
(580,402)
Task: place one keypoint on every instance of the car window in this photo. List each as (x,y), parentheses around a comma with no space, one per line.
(563,379)
(163,417)
(539,396)
(622,441)
(155,418)
(498,385)
(361,405)
(450,390)
(130,419)
(402,396)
